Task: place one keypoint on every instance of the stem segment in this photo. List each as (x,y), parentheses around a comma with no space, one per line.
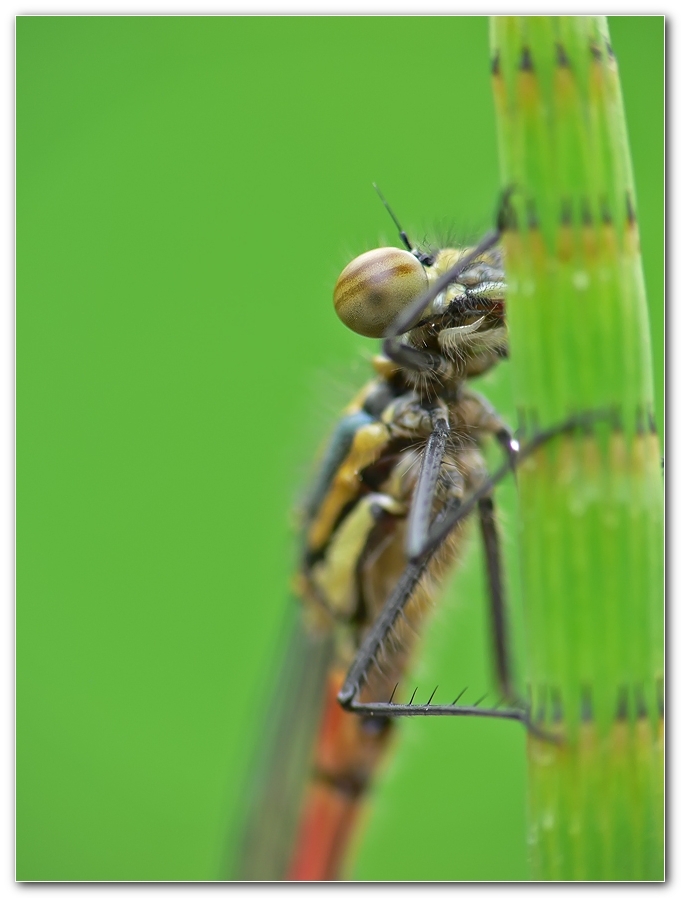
(591,502)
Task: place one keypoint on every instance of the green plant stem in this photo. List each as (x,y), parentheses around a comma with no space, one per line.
(591,500)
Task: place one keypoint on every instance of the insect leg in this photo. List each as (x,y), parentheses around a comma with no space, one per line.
(386,620)
(418,524)
(490,421)
(366,656)
(414,359)
(497,601)
(452,514)
(441,528)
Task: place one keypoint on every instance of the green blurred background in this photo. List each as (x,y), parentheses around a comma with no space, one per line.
(188,190)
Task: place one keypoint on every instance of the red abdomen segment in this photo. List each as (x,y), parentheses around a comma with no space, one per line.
(348,749)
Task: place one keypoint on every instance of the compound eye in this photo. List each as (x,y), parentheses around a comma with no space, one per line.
(374,288)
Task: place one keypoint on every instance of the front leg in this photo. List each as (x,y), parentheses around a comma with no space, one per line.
(420,514)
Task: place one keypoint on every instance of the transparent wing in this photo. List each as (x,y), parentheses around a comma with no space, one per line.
(262,842)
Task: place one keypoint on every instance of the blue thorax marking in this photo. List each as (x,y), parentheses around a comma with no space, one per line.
(339,446)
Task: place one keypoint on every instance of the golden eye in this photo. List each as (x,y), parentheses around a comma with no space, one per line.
(374,288)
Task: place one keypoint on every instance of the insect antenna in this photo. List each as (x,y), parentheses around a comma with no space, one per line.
(425,258)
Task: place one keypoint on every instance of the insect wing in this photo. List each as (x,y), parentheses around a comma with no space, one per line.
(274,787)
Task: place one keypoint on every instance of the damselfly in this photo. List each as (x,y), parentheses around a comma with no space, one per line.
(402,472)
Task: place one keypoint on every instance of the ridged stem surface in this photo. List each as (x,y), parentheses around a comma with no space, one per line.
(591,500)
